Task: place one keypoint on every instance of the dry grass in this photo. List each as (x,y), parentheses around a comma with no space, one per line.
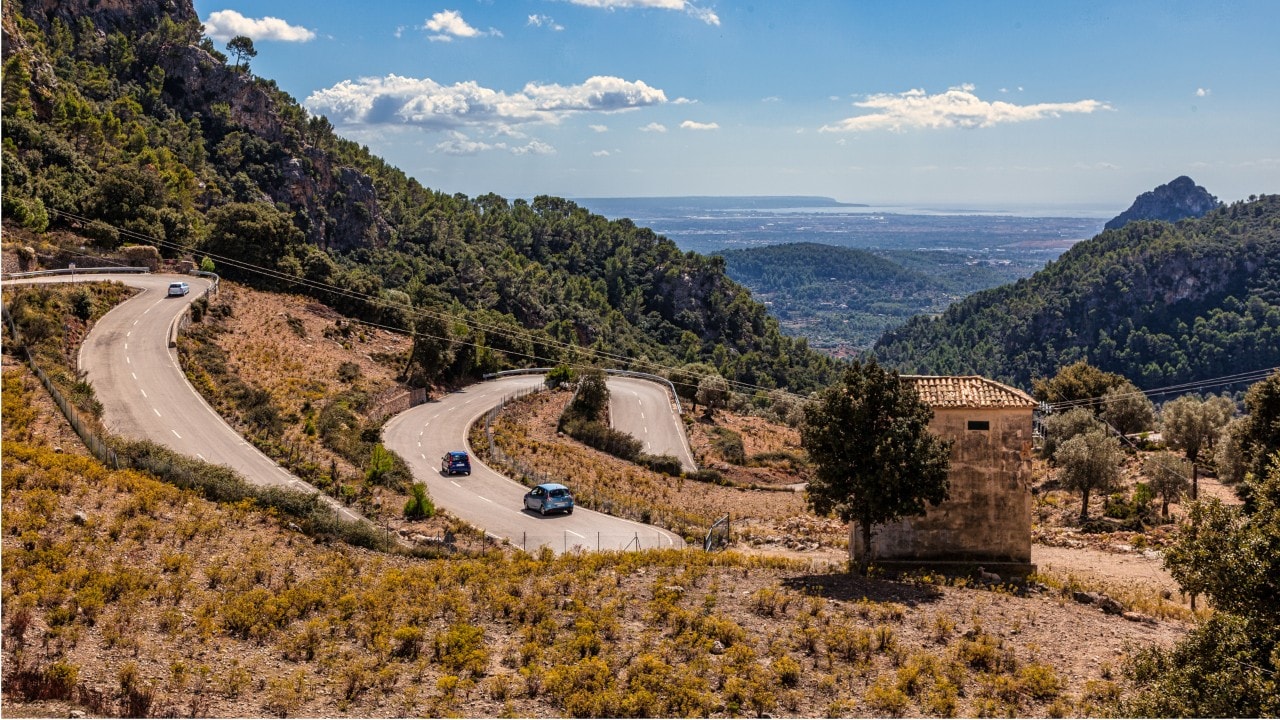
(161,603)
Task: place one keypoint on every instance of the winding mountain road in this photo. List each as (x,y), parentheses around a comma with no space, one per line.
(486,499)
(643,409)
(146,396)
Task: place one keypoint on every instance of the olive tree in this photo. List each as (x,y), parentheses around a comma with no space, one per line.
(1192,424)
(1088,462)
(1169,476)
(876,460)
(1127,409)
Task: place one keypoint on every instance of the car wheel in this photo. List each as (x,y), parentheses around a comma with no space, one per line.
(542,509)
(569,511)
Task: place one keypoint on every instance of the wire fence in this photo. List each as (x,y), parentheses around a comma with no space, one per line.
(718,536)
(83,428)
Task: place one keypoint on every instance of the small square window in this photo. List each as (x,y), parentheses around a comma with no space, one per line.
(979,425)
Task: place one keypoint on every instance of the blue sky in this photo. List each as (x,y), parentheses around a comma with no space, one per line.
(985,104)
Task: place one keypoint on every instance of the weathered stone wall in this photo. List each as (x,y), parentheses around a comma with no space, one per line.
(987,517)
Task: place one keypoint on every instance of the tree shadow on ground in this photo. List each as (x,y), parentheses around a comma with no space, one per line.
(850,587)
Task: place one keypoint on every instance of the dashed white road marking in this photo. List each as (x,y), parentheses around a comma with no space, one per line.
(157,412)
(175,432)
(485,499)
(642,417)
(134,374)
(126,346)
(455,483)
(199,456)
(126,359)
(144,392)
(584,537)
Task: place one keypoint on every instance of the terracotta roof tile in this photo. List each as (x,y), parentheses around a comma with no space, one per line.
(971,391)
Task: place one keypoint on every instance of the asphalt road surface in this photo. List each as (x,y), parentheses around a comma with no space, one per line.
(146,396)
(486,499)
(643,409)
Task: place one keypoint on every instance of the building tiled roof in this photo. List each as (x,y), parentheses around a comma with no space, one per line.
(970,391)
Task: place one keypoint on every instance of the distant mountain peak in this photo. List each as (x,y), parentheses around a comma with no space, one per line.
(1180,198)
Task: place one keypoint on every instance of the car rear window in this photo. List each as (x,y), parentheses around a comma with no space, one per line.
(559,493)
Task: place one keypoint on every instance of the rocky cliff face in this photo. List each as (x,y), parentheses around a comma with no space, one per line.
(1180,199)
(336,207)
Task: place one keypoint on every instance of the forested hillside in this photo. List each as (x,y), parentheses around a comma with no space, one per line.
(1156,302)
(122,124)
(844,299)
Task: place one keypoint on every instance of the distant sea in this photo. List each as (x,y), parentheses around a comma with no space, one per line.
(1028,236)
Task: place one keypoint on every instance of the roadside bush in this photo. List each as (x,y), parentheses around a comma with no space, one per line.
(604,438)
(419,506)
(665,464)
(728,444)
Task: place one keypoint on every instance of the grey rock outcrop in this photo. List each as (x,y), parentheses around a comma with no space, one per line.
(1179,199)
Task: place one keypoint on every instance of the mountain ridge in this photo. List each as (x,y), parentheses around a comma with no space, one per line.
(1159,303)
(1176,200)
(141,126)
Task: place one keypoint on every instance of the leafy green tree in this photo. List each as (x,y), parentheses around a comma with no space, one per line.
(1228,666)
(1061,427)
(381,462)
(687,377)
(559,375)
(432,350)
(1077,381)
(419,505)
(875,459)
(1231,459)
(593,394)
(1259,435)
(713,393)
(1089,462)
(247,236)
(241,46)
(1168,476)
(1127,409)
(1192,425)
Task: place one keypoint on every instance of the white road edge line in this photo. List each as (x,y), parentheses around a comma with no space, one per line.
(584,537)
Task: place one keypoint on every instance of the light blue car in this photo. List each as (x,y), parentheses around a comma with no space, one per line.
(549,497)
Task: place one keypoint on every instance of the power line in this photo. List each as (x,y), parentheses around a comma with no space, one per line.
(1249,377)
(604,357)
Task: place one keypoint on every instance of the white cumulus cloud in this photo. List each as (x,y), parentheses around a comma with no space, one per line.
(654,127)
(692,125)
(226,24)
(600,153)
(599,128)
(706,15)
(423,102)
(957,107)
(1203,92)
(448,24)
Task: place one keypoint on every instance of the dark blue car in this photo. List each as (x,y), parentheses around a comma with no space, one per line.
(455,462)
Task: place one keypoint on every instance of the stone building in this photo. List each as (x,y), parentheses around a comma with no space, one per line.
(986,520)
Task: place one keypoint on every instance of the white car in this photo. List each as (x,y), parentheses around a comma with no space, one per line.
(178,289)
